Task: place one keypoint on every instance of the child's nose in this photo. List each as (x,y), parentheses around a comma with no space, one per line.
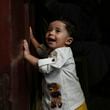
(52,32)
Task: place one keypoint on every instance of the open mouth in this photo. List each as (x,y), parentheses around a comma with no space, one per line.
(51,40)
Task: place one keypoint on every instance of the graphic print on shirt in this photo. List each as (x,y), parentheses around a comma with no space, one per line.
(54,90)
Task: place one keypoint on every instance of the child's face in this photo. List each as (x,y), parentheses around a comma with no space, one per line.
(57,35)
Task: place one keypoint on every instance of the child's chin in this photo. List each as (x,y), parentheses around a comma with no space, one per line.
(51,46)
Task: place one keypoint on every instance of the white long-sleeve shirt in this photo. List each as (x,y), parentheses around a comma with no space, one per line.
(60,80)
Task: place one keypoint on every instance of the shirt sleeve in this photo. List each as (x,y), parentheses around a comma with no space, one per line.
(45,65)
(55,61)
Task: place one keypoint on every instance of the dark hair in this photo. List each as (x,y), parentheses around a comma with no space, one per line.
(71,28)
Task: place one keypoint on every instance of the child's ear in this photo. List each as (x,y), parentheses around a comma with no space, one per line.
(69,41)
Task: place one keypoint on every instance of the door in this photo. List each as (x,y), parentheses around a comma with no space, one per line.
(14,77)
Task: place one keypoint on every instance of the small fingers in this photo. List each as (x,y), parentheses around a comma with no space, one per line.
(31,33)
(25,44)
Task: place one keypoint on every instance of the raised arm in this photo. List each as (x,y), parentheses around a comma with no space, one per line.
(34,41)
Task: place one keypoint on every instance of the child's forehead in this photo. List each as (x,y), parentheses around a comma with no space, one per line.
(57,23)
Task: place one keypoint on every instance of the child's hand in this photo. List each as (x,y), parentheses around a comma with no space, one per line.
(26,48)
(31,33)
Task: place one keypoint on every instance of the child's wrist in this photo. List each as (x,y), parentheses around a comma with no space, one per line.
(27,56)
(31,37)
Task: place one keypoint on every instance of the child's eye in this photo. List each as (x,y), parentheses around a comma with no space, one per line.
(57,30)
